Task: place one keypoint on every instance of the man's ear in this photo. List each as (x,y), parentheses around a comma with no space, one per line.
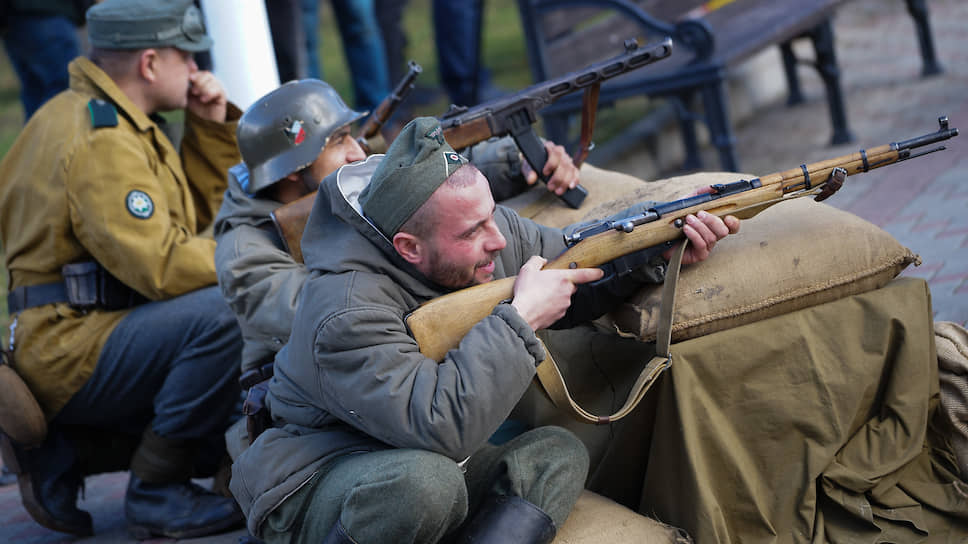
(147,65)
(409,247)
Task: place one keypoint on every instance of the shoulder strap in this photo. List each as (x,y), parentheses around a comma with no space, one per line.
(550,376)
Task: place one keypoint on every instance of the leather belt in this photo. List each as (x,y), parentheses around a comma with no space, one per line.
(30,296)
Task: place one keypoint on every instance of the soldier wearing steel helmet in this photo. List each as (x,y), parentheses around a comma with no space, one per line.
(290,139)
(116,323)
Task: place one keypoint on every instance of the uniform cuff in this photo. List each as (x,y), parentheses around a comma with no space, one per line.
(517,323)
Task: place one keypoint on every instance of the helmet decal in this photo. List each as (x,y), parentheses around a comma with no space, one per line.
(296,133)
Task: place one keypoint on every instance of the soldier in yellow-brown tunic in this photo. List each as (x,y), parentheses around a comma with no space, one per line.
(115,320)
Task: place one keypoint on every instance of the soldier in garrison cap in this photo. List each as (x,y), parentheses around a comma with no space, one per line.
(373,441)
(117,326)
(290,139)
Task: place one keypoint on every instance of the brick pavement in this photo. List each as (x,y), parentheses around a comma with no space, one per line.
(923,203)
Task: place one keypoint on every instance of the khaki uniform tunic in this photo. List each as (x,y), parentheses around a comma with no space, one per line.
(64,189)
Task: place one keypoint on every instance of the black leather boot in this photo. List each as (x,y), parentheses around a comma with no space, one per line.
(162,501)
(177,510)
(49,483)
(504,519)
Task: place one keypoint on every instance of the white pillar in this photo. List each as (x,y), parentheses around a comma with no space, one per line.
(242,55)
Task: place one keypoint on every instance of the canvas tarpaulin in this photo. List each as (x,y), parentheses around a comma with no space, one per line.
(820,425)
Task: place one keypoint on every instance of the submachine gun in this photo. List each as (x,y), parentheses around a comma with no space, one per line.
(514,115)
(439,324)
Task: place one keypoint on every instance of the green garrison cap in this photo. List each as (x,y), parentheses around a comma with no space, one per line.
(417,163)
(140,24)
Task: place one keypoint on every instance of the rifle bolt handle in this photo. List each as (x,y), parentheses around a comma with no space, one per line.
(679,223)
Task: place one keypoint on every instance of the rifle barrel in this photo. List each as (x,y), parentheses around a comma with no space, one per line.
(943,133)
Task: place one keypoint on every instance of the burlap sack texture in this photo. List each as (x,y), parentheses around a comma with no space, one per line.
(951,340)
(596,519)
(793,255)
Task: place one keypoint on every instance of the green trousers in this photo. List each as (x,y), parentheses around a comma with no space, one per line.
(405,495)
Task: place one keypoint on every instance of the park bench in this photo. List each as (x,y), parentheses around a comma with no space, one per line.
(709,38)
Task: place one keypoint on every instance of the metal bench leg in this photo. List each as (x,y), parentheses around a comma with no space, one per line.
(823,43)
(790,69)
(919,11)
(717,119)
(687,128)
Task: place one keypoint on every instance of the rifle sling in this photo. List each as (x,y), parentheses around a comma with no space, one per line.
(553,383)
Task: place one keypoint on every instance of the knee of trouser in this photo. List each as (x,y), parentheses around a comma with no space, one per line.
(216,330)
(432,483)
(220,317)
(208,309)
(562,445)
(435,481)
(419,496)
(548,460)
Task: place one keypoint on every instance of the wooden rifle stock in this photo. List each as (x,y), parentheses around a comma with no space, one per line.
(290,220)
(467,134)
(439,324)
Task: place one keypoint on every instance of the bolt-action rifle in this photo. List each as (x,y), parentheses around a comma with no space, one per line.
(383,112)
(512,115)
(439,324)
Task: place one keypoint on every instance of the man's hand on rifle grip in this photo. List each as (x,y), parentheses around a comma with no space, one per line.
(560,170)
(542,297)
(703,231)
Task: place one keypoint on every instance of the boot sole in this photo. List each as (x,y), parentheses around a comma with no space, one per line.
(145,532)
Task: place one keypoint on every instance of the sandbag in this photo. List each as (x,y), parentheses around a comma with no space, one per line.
(596,519)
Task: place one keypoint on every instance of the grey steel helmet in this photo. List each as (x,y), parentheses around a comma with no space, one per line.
(284,131)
